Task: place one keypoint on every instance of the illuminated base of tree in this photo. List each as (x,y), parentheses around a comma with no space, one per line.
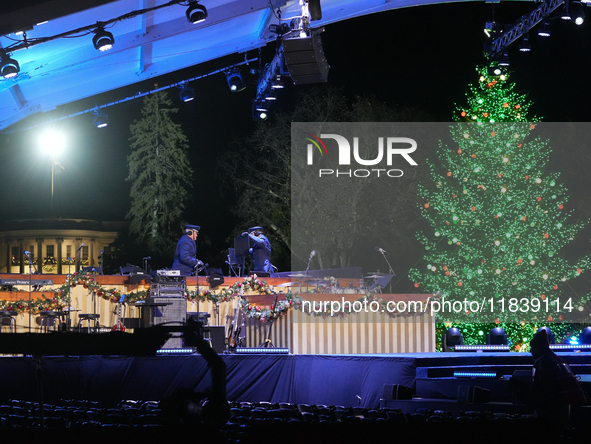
(518,334)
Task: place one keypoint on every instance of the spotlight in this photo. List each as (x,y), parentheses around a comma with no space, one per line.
(261,105)
(259,110)
(278,83)
(565,14)
(525,45)
(585,337)
(545,29)
(280,29)
(495,70)
(234,79)
(551,336)
(103,40)
(451,338)
(9,67)
(186,94)
(577,13)
(497,336)
(196,13)
(270,96)
(504,60)
(100,120)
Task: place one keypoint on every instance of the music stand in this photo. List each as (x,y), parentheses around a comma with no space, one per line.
(233,261)
(241,248)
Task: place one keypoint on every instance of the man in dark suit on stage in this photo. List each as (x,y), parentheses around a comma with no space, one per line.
(260,251)
(185,254)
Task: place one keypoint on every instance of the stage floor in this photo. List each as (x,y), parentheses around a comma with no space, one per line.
(344,380)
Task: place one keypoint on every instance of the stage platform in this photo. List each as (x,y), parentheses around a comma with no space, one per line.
(340,380)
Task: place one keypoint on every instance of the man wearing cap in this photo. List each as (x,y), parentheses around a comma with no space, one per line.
(185,254)
(261,251)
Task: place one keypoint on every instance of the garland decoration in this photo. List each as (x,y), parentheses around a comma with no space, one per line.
(58,300)
(58,297)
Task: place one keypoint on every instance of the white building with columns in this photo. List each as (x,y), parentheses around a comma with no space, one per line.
(56,246)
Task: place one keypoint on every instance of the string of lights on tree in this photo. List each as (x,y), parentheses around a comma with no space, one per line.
(500,218)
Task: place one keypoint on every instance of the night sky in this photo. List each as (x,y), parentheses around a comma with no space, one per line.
(421,57)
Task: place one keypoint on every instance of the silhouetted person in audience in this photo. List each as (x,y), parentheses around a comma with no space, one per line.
(549,395)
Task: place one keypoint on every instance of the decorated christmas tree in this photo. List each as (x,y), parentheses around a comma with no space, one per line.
(499,216)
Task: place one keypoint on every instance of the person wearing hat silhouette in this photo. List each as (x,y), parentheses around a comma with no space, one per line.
(260,251)
(185,255)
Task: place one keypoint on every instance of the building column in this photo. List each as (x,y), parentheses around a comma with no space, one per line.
(78,254)
(8,257)
(59,241)
(21,261)
(91,253)
(39,254)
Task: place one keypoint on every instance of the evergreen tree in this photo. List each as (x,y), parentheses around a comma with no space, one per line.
(500,218)
(160,175)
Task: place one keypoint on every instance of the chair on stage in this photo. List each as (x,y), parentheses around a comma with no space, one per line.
(7,319)
(89,317)
(49,319)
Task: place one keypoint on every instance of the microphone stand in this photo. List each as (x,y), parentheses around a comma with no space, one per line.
(390,270)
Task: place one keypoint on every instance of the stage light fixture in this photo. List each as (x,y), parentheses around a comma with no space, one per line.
(451,338)
(544,31)
(196,13)
(525,46)
(278,83)
(495,70)
(261,105)
(585,336)
(551,336)
(565,13)
(504,61)
(482,348)
(235,81)
(280,29)
(259,110)
(103,40)
(270,96)
(9,67)
(474,375)
(577,13)
(186,94)
(100,120)
(262,350)
(497,336)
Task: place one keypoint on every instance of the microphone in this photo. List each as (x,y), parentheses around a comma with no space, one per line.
(81,245)
(102,251)
(381,250)
(312,253)
(27,252)
(147,258)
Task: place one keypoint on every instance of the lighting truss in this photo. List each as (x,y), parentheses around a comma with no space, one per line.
(142,94)
(83,31)
(524,24)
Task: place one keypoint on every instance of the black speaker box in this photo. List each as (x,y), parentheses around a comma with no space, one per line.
(217,335)
(396,391)
(215,277)
(305,60)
